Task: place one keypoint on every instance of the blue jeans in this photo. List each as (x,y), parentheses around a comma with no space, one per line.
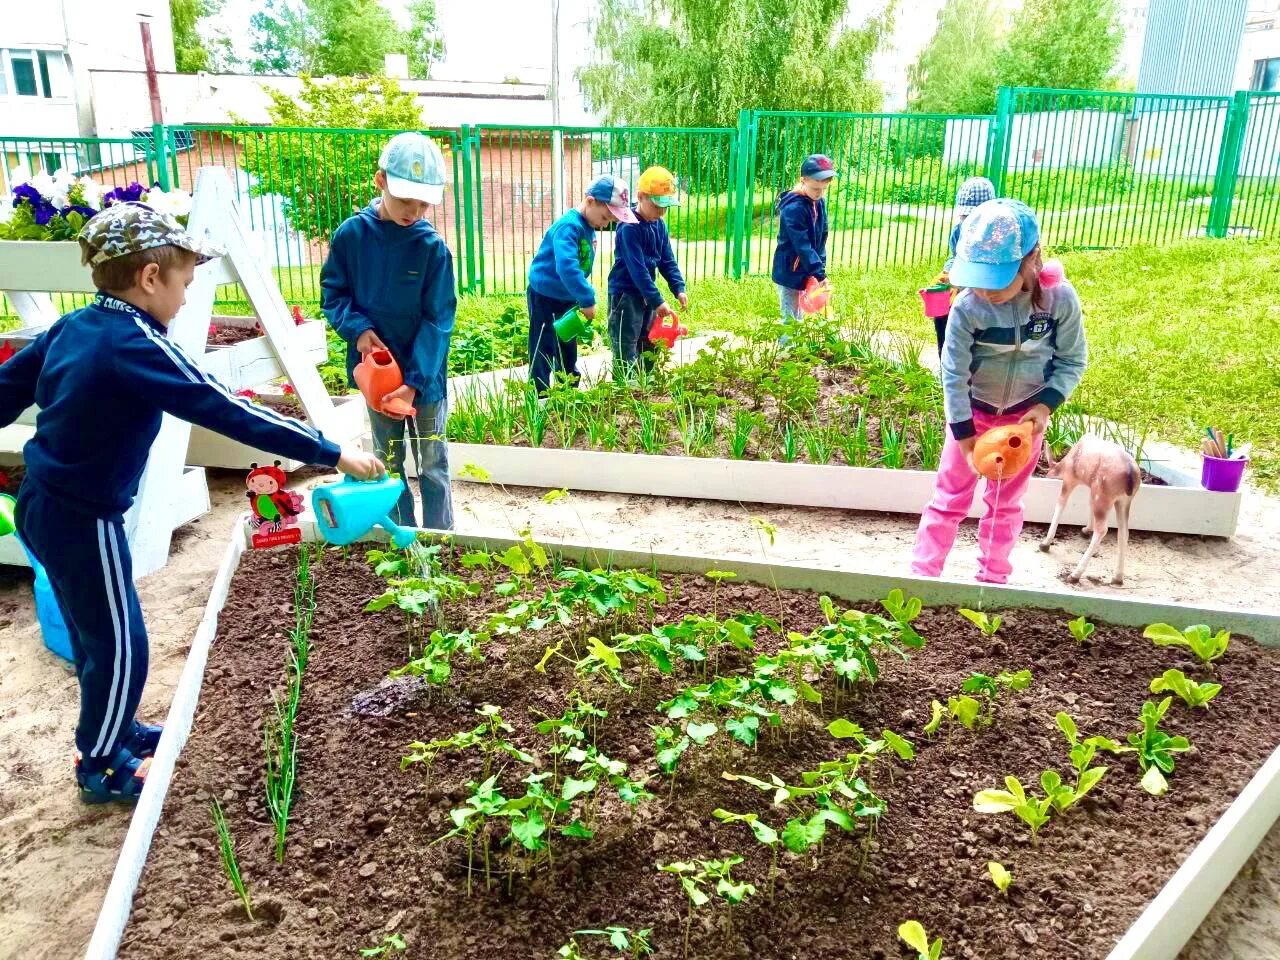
(789,301)
(391,436)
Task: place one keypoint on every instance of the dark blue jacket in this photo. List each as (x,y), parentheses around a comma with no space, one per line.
(802,240)
(561,268)
(102,376)
(398,282)
(641,250)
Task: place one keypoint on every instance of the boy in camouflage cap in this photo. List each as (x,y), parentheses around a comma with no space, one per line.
(102,376)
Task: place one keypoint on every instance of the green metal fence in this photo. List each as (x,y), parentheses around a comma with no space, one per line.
(1102,169)
(525,177)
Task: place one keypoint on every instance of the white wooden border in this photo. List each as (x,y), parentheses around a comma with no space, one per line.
(1180,508)
(1159,932)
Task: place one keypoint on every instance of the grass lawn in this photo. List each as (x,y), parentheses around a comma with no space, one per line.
(1180,336)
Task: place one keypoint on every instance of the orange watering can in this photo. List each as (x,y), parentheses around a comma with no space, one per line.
(378,374)
(815,296)
(667,332)
(1004,452)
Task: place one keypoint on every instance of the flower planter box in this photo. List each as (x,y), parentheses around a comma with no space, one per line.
(253,361)
(1181,507)
(1185,894)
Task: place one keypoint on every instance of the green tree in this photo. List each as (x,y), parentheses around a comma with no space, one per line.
(284,38)
(697,63)
(354,37)
(423,41)
(955,72)
(325,177)
(1062,43)
(193,50)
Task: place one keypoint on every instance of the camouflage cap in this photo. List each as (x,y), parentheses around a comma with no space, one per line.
(125,228)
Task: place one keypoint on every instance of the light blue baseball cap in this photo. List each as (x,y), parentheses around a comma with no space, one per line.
(414,167)
(993,241)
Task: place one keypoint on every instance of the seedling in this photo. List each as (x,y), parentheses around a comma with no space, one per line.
(1081,754)
(1032,810)
(391,942)
(1154,747)
(935,718)
(1193,694)
(967,710)
(988,626)
(670,748)
(765,835)
(1206,645)
(632,943)
(1081,629)
(912,933)
(715,576)
(697,875)
(227,847)
(903,609)
(1000,875)
(280,743)
(489,737)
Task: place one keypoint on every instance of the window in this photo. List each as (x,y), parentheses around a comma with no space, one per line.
(1266,74)
(34,73)
(24,74)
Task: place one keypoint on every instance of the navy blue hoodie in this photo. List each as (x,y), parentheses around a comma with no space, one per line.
(640,249)
(398,282)
(102,376)
(802,240)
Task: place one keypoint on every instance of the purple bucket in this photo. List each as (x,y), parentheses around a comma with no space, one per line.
(937,303)
(1222,475)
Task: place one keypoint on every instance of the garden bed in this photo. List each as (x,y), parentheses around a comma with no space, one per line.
(360,862)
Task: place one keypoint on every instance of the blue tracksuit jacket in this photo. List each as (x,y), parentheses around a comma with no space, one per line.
(398,282)
(561,269)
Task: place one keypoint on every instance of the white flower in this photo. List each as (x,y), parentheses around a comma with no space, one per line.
(6,211)
(43,184)
(176,203)
(59,197)
(91,190)
(19,175)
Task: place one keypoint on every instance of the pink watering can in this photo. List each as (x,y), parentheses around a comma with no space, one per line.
(667,332)
(937,300)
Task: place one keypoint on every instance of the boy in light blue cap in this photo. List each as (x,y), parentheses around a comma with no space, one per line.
(1014,352)
(560,277)
(388,284)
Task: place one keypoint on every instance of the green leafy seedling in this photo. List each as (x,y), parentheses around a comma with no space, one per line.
(1193,694)
(964,709)
(624,940)
(227,848)
(988,625)
(1081,629)
(1000,875)
(902,608)
(912,933)
(392,941)
(1031,810)
(1205,644)
(1154,747)
(935,718)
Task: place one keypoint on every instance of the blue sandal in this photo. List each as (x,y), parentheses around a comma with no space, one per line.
(121,782)
(144,739)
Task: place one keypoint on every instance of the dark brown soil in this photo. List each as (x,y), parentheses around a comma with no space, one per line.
(220,336)
(361,862)
(287,405)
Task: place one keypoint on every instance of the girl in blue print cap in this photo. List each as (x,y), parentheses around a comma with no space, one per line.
(1014,352)
(801,256)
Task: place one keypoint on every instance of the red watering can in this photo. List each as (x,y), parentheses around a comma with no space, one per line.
(667,332)
(816,295)
(378,374)
(1003,452)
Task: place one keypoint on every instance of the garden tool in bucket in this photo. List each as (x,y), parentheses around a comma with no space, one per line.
(574,325)
(54,629)
(816,295)
(667,329)
(378,374)
(1003,452)
(347,510)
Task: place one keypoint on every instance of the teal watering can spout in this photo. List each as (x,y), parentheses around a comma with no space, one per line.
(348,510)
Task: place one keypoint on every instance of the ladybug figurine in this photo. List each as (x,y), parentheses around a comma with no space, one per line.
(273,507)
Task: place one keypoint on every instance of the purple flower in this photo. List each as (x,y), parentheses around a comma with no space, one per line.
(130,194)
(81,209)
(42,211)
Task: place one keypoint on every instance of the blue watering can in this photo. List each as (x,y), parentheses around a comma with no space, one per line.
(54,629)
(347,510)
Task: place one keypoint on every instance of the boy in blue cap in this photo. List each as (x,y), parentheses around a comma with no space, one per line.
(800,260)
(560,277)
(1014,352)
(972,194)
(102,376)
(388,284)
(642,250)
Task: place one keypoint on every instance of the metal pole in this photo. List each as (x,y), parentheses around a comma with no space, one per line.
(557,139)
(153,84)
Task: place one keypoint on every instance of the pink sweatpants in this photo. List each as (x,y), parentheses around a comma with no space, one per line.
(1000,524)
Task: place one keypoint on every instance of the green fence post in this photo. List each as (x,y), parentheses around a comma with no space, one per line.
(468,206)
(160,143)
(740,198)
(999,130)
(1224,178)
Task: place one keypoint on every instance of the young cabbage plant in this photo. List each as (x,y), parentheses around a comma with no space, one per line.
(1199,639)
(1032,810)
(988,625)
(912,933)
(1193,694)
(1154,747)
(1081,629)
(1081,754)
(1000,875)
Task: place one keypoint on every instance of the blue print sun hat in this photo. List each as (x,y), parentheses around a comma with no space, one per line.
(993,241)
(972,194)
(414,167)
(612,192)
